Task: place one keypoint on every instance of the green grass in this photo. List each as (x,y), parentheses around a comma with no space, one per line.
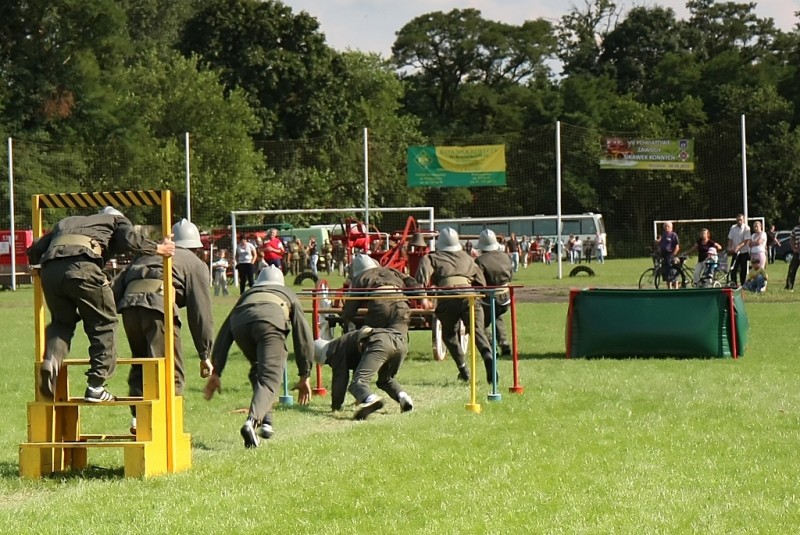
(592,446)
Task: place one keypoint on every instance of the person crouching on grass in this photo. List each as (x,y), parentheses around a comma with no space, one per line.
(366,351)
(757,277)
(259,324)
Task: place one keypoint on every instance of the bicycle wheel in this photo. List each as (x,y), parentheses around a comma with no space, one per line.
(651,278)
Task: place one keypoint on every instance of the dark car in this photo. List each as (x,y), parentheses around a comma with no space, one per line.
(784,250)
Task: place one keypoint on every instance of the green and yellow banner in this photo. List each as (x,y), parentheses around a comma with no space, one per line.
(477,165)
(637,153)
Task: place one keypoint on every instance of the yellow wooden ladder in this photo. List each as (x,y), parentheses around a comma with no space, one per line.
(55,440)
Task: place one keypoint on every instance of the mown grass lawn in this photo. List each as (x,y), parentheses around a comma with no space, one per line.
(592,446)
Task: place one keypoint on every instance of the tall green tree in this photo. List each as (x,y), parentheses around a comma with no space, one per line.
(279,58)
(59,60)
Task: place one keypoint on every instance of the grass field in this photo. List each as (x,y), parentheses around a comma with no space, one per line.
(592,446)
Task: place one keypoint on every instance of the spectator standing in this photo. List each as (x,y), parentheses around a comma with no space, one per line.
(772,243)
(758,244)
(600,247)
(313,255)
(795,263)
(577,249)
(246,258)
(72,256)
(220,270)
(669,247)
(738,249)
(274,249)
(512,248)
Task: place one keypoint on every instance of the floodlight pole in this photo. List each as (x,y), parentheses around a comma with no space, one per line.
(366,179)
(744,169)
(12,238)
(188,183)
(559,237)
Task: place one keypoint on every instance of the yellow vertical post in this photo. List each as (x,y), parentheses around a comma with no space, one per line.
(473,404)
(169,336)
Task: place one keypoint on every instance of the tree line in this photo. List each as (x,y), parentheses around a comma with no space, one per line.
(101,92)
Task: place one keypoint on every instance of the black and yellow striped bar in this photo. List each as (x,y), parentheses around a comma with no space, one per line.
(100,199)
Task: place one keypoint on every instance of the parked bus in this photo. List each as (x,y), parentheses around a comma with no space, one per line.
(587,226)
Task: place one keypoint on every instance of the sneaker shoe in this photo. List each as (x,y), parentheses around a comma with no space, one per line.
(97,395)
(249,435)
(133,426)
(47,376)
(372,404)
(463,374)
(265,430)
(406,403)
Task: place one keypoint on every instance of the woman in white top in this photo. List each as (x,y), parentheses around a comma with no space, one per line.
(758,243)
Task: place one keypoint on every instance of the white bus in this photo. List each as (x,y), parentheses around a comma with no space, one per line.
(587,226)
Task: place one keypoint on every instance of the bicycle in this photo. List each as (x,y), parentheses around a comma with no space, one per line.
(652,277)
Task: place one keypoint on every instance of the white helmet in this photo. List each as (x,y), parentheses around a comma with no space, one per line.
(362,263)
(712,251)
(270,275)
(109,210)
(448,241)
(186,235)
(487,241)
(321,351)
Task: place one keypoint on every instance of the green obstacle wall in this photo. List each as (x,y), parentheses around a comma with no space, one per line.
(709,322)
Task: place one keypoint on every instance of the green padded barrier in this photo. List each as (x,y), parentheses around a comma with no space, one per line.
(645,323)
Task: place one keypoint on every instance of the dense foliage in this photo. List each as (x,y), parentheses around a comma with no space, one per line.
(99,93)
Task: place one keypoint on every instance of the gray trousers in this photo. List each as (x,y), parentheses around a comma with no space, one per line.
(500,324)
(383,354)
(264,345)
(144,328)
(449,311)
(76,289)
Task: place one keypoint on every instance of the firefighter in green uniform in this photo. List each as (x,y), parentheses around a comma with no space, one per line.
(72,257)
(450,267)
(139,294)
(498,271)
(367,279)
(366,351)
(259,324)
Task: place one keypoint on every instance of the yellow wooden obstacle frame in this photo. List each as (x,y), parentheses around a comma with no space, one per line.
(55,442)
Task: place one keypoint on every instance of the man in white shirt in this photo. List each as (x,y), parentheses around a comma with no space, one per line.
(738,249)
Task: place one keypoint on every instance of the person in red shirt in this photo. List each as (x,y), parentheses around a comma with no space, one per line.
(273,249)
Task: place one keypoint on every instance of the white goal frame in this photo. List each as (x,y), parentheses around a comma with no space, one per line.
(359,210)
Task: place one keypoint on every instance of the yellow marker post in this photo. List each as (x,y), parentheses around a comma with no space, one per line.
(473,404)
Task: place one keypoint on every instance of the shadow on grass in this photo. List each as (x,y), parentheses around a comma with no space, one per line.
(11,471)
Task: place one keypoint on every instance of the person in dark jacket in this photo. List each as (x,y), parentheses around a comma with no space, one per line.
(259,324)
(72,257)
(498,270)
(390,308)
(366,351)
(139,294)
(451,267)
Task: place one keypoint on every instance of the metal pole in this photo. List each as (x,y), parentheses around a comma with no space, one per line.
(366,178)
(188,183)
(744,170)
(12,238)
(559,237)
(234,244)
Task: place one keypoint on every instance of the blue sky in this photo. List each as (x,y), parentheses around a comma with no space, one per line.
(370,25)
